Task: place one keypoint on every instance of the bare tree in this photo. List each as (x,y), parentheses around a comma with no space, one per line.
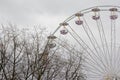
(27,55)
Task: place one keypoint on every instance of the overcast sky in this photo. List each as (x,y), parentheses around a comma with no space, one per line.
(48,13)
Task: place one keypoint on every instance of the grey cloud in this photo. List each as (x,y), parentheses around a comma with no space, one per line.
(27,11)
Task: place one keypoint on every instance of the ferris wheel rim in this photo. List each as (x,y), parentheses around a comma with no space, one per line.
(82,11)
(66,23)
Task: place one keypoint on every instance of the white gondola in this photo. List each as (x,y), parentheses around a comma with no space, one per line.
(52,45)
(113,17)
(95,17)
(79,22)
(64,31)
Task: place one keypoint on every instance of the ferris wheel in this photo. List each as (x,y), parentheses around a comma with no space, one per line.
(96,33)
